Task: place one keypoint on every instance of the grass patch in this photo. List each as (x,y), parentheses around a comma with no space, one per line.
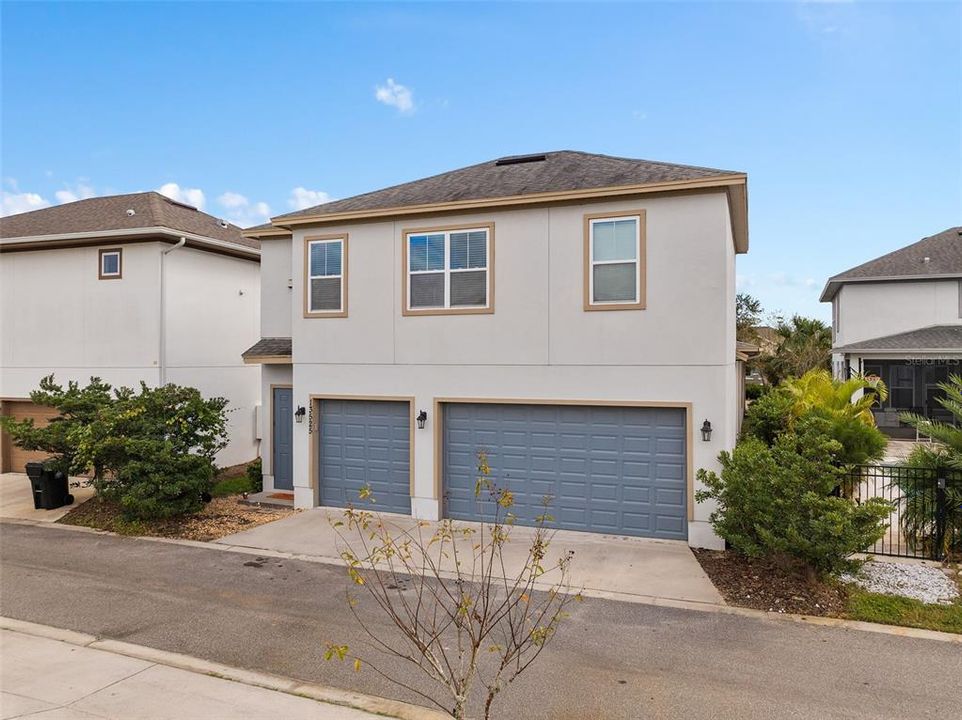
(891,610)
(232,486)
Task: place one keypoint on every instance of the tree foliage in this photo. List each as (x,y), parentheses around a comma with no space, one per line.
(949,435)
(77,407)
(748,314)
(778,501)
(803,344)
(467,616)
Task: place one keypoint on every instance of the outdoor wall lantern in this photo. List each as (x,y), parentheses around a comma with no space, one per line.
(706,431)
(299,415)
(422,418)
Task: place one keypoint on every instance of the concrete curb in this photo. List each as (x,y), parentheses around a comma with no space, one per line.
(680,604)
(332,696)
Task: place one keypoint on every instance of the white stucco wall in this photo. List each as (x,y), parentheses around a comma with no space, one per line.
(57,317)
(539,343)
(213,315)
(275,288)
(871,310)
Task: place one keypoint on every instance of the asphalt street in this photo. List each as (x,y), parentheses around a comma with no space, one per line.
(610,660)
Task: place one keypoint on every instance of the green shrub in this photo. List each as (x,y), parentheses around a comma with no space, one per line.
(153,450)
(753,391)
(861,443)
(918,502)
(769,416)
(78,406)
(255,474)
(777,501)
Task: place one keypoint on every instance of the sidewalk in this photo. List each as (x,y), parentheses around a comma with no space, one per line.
(53,679)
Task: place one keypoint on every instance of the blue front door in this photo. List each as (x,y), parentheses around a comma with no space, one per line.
(282,462)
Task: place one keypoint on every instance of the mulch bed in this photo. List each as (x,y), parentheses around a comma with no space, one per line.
(763,585)
(220,517)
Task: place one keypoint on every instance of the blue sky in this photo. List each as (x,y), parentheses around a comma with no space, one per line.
(847,116)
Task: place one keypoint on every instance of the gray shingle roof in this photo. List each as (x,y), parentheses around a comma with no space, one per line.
(151,209)
(559,171)
(944,253)
(269,347)
(936,337)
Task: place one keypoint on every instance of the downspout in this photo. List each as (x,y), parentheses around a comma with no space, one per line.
(163,310)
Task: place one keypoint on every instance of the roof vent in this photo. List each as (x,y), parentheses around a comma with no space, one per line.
(926,260)
(222,223)
(131,212)
(520,159)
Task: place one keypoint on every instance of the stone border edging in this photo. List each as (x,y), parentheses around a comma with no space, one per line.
(321,693)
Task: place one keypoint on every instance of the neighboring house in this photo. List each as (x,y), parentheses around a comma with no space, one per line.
(572,315)
(900,317)
(129,288)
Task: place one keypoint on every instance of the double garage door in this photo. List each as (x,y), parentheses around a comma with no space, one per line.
(610,469)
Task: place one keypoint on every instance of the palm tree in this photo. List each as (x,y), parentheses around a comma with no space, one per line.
(852,398)
(804,344)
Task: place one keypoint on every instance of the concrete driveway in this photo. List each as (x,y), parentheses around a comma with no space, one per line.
(16,498)
(623,568)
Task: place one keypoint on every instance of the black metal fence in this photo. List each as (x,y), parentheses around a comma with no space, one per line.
(926,518)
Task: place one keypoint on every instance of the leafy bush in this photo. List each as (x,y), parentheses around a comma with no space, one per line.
(769,416)
(753,391)
(255,473)
(845,405)
(153,450)
(77,406)
(918,502)
(777,501)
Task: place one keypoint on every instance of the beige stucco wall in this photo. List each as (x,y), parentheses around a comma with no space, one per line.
(213,315)
(57,316)
(872,310)
(539,343)
(275,288)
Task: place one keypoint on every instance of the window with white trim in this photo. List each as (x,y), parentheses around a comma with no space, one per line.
(110,264)
(614,275)
(325,292)
(448,269)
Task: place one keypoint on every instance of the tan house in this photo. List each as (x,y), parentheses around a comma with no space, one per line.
(572,315)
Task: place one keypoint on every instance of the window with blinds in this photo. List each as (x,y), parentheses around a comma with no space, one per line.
(325,276)
(615,262)
(448,269)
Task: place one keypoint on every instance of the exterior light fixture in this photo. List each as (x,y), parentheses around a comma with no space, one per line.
(299,415)
(706,431)
(422,418)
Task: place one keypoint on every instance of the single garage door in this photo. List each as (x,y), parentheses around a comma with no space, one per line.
(618,470)
(12,458)
(365,442)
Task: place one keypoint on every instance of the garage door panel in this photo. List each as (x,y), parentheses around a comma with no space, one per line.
(362,443)
(608,469)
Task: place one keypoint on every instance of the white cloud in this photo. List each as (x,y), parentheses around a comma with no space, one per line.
(242,211)
(80,191)
(303,198)
(395,95)
(12,203)
(190,196)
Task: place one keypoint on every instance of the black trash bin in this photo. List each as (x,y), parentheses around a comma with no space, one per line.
(50,487)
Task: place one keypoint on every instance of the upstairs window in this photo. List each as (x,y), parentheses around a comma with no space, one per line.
(326,288)
(614,268)
(111,264)
(448,271)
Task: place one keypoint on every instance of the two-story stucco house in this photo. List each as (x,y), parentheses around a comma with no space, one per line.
(900,317)
(572,315)
(129,288)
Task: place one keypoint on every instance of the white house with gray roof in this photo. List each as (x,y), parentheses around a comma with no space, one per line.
(130,288)
(899,316)
(571,315)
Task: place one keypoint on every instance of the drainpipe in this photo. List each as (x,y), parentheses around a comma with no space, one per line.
(163,310)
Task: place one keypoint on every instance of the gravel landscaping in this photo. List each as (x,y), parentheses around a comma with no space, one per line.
(919,582)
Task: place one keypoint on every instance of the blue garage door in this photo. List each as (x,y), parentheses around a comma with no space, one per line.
(618,470)
(365,442)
